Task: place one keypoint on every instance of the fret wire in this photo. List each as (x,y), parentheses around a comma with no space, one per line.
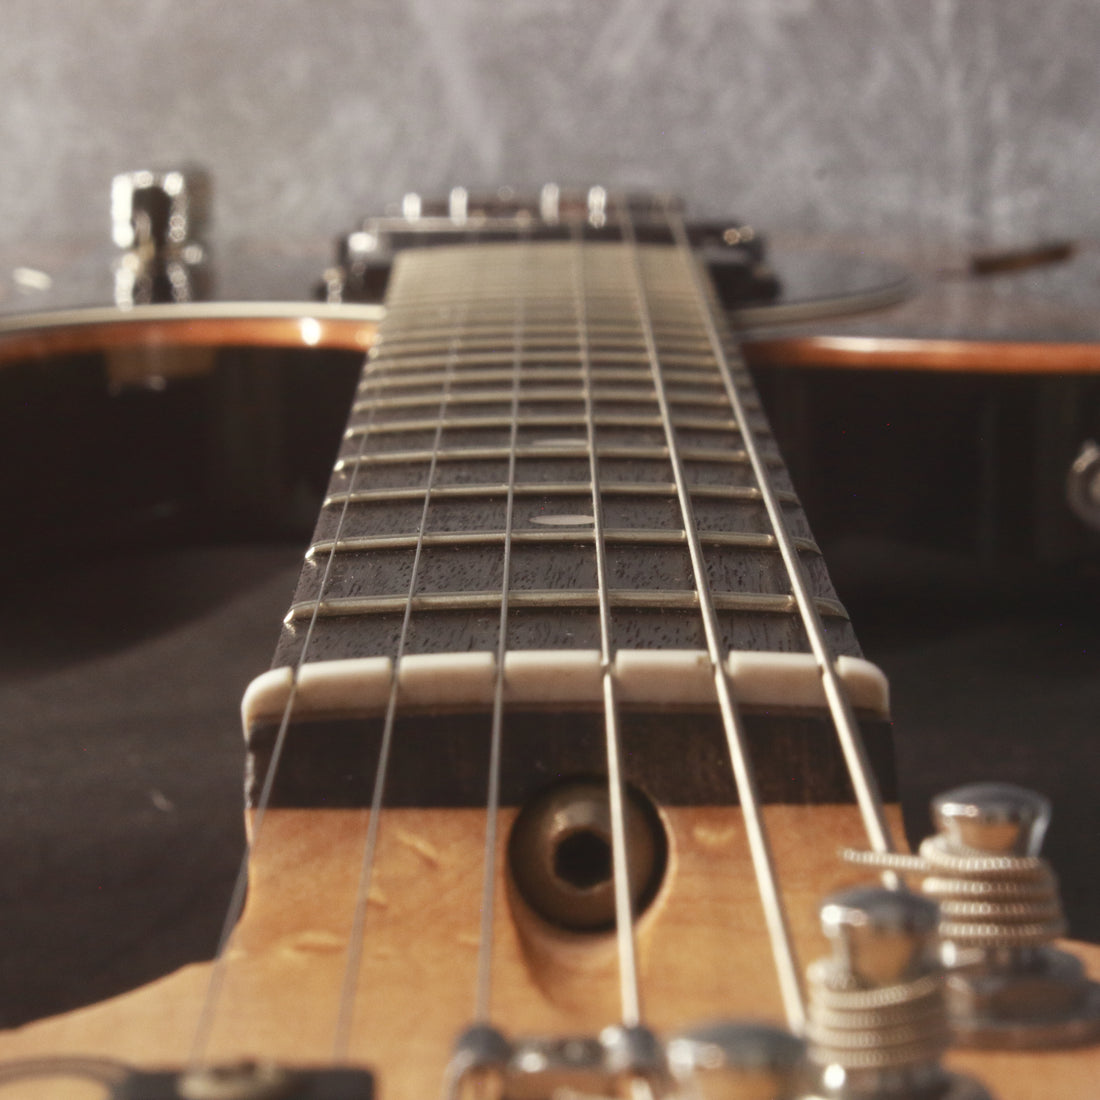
(625,535)
(475,397)
(629,987)
(550,488)
(534,450)
(483,995)
(349,986)
(774,911)
(544,420)
(396,364)
(642,599)
(431,376)
(863,780)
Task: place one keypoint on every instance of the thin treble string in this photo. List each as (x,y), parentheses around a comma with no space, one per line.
(787,969)
(356,942)
(483,996)
(629,987)
(863,779)
(214,987)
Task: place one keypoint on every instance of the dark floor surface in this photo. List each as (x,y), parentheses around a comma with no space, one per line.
(121,755)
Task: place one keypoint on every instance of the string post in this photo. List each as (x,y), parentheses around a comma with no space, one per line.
(877,1024)
(1007,984)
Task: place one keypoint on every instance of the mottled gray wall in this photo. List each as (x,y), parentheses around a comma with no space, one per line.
(954,115)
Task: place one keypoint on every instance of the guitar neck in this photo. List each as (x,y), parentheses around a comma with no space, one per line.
(541,434)
(469,433)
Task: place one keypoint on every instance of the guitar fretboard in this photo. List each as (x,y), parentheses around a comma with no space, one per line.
(477,393)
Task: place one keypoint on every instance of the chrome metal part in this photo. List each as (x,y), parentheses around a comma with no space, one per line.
(561,859)
(597,206)
(1083,484)
(724,1060)
(237,1081)
(727,1060)
(877,1023)
(550,203)
(157,220)
(1000,911)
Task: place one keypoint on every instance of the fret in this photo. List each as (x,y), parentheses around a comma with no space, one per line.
(496,341)
(543,420)
(528,396)
(744,540)
(532,374)
(641,599)
(546,489)
(537,452)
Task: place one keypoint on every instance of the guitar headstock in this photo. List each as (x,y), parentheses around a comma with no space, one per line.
(732,250)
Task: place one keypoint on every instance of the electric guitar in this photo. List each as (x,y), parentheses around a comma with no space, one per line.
(569,765)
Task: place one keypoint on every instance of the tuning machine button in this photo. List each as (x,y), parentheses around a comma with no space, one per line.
(877,1022)
(1007,986)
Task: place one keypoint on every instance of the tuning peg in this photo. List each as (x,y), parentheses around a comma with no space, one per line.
(881,937)
(877,1022)
(737,1061)
(1007,984)
(994,818)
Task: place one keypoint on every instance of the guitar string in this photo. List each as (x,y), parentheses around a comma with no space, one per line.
(356,942)
(204,1025)
(775,915)
(868,796)
(483,996)
(629,987)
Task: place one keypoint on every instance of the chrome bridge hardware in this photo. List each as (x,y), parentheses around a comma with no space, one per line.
(877,1022)
(1000,910)
(733,1061)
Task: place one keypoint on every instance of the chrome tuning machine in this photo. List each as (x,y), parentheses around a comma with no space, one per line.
(877,1022)
(1000,911)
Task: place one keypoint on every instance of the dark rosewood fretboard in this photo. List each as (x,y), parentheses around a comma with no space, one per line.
(475,333)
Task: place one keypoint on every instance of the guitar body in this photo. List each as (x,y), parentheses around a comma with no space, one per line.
(387,886)
(703,951)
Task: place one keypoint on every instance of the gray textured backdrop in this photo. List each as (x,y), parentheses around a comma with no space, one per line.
(956,115)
